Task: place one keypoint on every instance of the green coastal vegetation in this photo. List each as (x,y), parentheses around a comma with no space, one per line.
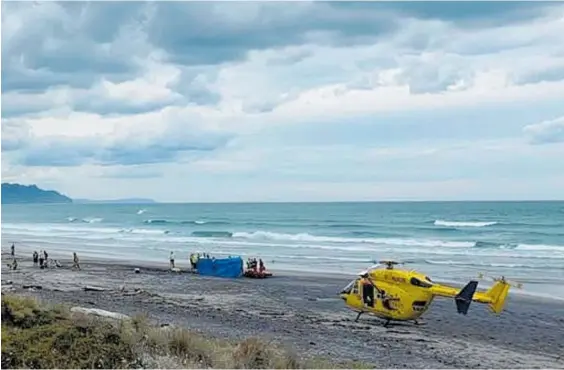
(38,335)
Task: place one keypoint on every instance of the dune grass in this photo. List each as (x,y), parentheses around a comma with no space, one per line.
(36,335)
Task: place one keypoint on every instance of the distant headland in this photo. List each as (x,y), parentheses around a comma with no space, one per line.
(31,194)
(26,194)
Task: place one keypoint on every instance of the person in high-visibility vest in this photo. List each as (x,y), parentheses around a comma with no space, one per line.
(193,261)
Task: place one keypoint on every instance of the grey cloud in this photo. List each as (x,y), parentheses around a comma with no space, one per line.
(15,135)
(196,85)
(58,151)
(545,75)
(226,32)
(547,132)
(180,138)
(464,13)
(432,78)
(78,43)
(63,44)
(106,107)
(19,104)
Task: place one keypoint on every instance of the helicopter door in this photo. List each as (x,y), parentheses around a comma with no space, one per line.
(368,294)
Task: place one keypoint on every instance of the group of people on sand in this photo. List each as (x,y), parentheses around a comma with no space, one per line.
(41,259)
(252,265)
(194,257)
(14,264)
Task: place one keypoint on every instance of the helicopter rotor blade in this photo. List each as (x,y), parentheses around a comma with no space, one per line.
(512,283)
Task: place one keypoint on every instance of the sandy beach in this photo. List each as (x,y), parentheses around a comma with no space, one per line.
(304,312)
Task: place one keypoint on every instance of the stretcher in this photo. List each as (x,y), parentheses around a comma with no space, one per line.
(254,274)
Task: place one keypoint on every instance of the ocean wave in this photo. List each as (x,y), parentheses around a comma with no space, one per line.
(87,220)
(141,211)
(184,222)
(540,247)
(487,264)
(464,223)
(268,239)
(342,226)
(93,220)
(267,235)
(143,231)
(212,234)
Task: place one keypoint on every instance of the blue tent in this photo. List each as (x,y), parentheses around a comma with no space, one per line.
(223,267)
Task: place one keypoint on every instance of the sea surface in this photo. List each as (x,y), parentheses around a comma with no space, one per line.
(452,241)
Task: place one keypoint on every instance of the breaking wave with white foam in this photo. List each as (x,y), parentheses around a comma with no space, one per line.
(305,237)
(464,223)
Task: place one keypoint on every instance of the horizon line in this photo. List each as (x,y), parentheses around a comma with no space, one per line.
(328,201)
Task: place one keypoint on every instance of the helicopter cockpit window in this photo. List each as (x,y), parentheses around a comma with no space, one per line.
(355,287)
(349,288)
(415,281)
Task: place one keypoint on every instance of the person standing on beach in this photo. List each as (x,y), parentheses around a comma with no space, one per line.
(171,259)
(193,261)
(41,258)
(75,261)
(45,264)
(35,258)
(13,250)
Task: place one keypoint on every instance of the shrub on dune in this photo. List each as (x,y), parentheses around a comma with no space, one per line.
(36,335)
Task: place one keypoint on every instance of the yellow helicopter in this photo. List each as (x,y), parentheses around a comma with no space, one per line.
(402,295)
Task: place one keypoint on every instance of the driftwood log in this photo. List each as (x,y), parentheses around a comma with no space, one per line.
(90,288)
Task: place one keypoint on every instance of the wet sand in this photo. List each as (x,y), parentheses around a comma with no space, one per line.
(305,313)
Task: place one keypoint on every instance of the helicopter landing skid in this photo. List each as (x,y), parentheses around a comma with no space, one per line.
(358,316)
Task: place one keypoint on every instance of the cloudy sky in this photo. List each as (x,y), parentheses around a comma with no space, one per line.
(284,101)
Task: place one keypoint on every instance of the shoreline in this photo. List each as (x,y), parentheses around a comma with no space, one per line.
(303,311)
(184,265)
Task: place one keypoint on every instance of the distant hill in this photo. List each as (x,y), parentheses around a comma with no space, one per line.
(16,193)
(117,201)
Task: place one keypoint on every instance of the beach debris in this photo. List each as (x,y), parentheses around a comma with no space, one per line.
(137,270)
(8,288)
(90,288)
(99,312)
(167,326)
(32,287)
(176,269)
(135,292)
